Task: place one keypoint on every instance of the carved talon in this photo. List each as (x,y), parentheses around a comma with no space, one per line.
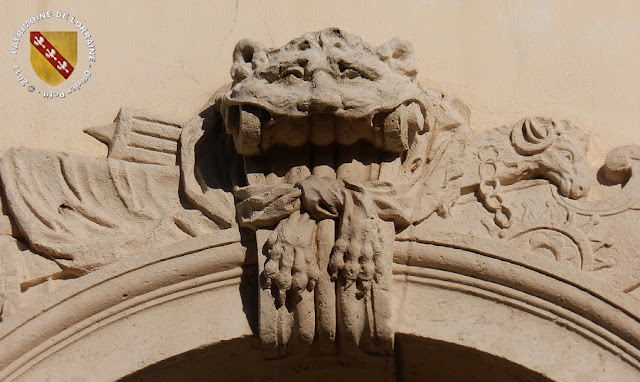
(359,243)
(336,264)
(291,264)
(326,103)
(359,240)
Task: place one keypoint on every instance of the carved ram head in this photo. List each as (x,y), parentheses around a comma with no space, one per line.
(556,151)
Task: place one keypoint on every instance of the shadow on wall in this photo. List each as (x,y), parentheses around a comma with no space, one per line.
(417,359)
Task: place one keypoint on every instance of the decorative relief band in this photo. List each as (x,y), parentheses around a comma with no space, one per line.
(321,156)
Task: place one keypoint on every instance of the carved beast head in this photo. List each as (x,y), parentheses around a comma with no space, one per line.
(329,74)
(557,152)
(330,71)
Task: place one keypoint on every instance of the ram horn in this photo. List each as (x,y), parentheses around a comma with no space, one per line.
(533,135)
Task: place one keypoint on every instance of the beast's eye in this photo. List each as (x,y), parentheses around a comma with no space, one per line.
(269,75)
(350,72)
(295,71)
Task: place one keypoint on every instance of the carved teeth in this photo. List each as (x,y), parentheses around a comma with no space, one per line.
(335,146)
(399,125)
(243,123)
(353,131)
(357,162)
(324,163)
(289,132)
(322,129)
(396,131)
(232,120)
(255,133)
(390,167)
(415,118)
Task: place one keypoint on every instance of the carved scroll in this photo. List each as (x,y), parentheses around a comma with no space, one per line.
(319,154)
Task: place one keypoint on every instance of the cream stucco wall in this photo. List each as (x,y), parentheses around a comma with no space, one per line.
(505,58)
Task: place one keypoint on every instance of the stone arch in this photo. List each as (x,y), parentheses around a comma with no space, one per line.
(317,226)
(469,298)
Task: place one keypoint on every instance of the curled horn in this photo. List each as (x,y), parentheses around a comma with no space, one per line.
(533,135)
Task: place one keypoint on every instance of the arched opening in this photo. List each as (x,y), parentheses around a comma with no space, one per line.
(451,323)
(416,359)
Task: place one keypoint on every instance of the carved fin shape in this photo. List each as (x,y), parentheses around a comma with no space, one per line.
(104,133)
(140,137)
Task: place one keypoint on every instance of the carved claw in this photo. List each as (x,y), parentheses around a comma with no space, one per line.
(337,258)
(291,264)
(359,243)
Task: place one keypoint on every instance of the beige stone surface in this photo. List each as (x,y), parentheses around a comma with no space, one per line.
(505,59)
(330,205)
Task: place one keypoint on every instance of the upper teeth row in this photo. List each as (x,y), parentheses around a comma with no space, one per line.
(255,132)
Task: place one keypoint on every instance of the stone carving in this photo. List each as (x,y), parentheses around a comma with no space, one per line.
(334,143)
(533,148)
(319,153)
(83,213)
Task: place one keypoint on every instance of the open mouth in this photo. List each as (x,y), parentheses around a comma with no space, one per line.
(574,190)
(285,149)
(567,187)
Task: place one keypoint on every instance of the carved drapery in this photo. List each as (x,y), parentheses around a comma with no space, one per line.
(323,157)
